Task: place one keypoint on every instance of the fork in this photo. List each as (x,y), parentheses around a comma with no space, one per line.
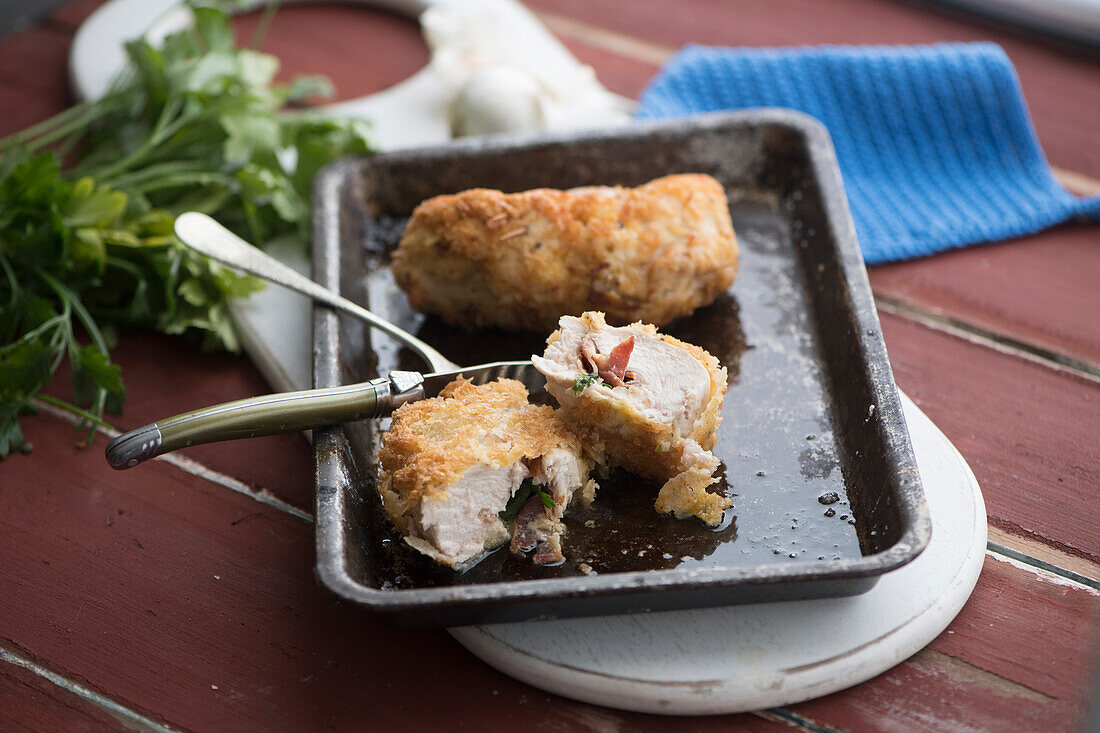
(306,409)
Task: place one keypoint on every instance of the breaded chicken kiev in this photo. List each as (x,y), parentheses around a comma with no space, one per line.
(650,402)
(452,464)
(520,261)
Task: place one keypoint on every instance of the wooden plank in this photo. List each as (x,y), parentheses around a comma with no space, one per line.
(589,41)
(166,375)
(1042,290)
(990,670)
(69,16)
(32,704)
(152,589)
(1021,600)
(33,80)
(362,50)
(1058,80)
(1026,290)
(195,605)
(1042,553)
(995,307)
(1028,431)
(283,470)
(936,692)
(232,626)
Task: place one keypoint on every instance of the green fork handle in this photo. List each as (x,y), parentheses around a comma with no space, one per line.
(268,415)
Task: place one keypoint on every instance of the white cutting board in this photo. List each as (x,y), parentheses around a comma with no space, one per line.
(466,36)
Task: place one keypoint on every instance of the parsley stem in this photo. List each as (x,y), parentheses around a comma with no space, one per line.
(71,298)
(13,283)
(264,23)
(161,130)
(59,119)
(60,125)
(253,221)
(157,170)
(64,125)
(62,338)
(56,402)
(181,179)
(45,326)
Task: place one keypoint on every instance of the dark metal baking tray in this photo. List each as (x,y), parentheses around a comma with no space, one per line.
(811,408)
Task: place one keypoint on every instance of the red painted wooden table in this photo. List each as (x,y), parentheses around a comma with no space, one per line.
(181,596)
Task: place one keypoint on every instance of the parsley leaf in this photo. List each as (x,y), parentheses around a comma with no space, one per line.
(584,381)
(523,493)
(544,496)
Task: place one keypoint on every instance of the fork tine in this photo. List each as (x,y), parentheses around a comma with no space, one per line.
(522,371)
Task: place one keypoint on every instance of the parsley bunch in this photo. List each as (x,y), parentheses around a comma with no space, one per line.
(197,124)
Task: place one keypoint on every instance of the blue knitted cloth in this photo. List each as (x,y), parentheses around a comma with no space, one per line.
(935,143)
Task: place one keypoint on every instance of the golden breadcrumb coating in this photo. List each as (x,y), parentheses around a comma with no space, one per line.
(519,261)
(432,442)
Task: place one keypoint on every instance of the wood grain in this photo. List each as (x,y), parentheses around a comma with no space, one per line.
(991,670)
(166,375)
(1038,553)
(362,50)
(1053,314)
(32,704)
(1044,290)
(1044,663)
(1058,290)
(1007,663)
(151,586)
(1027,431)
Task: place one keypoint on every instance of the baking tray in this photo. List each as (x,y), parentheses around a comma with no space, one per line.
(812,406)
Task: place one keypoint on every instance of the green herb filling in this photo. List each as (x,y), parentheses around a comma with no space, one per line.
(584,381)
(523,493)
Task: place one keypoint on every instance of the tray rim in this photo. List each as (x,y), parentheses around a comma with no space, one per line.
(330,563)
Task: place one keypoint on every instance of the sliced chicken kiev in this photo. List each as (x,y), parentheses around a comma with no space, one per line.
(650,402)
(464,472)
(519,261)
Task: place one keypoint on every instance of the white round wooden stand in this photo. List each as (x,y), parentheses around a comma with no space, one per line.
(738,658)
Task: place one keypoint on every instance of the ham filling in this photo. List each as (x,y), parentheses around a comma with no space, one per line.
(610,367)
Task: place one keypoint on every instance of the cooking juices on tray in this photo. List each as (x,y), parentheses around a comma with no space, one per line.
(797,335)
